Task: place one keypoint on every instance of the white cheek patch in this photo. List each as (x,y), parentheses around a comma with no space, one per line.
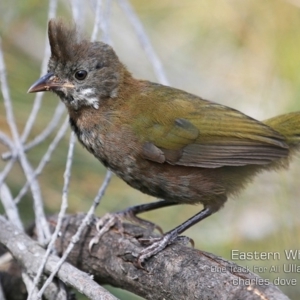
(87,97)
(88,92)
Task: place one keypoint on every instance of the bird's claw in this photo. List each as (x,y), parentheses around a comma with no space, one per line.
(158,244)
(112,219)
(104,225)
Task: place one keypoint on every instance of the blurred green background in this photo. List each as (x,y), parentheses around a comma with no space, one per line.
(244,54)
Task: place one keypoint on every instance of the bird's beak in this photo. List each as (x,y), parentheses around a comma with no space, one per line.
(48,82)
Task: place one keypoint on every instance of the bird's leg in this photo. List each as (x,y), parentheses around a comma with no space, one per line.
(112,219)
(158,244)
(131,212)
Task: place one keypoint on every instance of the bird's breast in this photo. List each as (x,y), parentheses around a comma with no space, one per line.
(90,137)
(110,143)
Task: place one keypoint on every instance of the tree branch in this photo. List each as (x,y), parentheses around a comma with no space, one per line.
(175,273)
(30,255)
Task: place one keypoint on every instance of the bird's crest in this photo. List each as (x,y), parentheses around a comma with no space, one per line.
(65,41)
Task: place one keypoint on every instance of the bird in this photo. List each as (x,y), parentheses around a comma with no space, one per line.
(160,140)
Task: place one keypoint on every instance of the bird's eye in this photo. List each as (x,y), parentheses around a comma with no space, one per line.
(81,74)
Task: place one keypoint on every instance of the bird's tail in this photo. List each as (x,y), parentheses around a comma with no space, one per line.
(289,126)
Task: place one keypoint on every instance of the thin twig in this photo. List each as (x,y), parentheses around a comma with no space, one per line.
(10,207)
(8,107)
(97,21)
(44,134)
(81,228)
(62,212)
(5,140)
(39,96)
(6,170)
(77,7)
(60,109)
(102,17)
(45,159)
(43,231)
(30,253)
(106,22)
(144,40)
(29,285)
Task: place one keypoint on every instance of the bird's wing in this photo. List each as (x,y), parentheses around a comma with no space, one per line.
(209,135)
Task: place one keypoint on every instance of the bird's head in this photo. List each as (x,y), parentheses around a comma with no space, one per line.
(80,72)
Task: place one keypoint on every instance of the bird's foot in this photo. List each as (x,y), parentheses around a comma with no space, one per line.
(159,244)
(104,225)
(111,220)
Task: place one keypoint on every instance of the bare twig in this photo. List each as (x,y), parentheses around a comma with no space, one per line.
(84,223)
(5,140)
(144,40)
(44,134)
(30,286)
(62,212)
(10,206)
(39,96)
(6,170)
(106,21)
(102,16)
(45,159)
(98,19)
(176,273)
(42,229)
(19,245)
(77,7)
(63,207)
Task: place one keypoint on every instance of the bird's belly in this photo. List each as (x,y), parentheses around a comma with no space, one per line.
(171,183)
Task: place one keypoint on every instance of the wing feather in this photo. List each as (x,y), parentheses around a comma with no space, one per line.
(194,132)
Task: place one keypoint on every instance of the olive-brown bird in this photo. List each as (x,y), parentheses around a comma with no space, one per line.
(164,142)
